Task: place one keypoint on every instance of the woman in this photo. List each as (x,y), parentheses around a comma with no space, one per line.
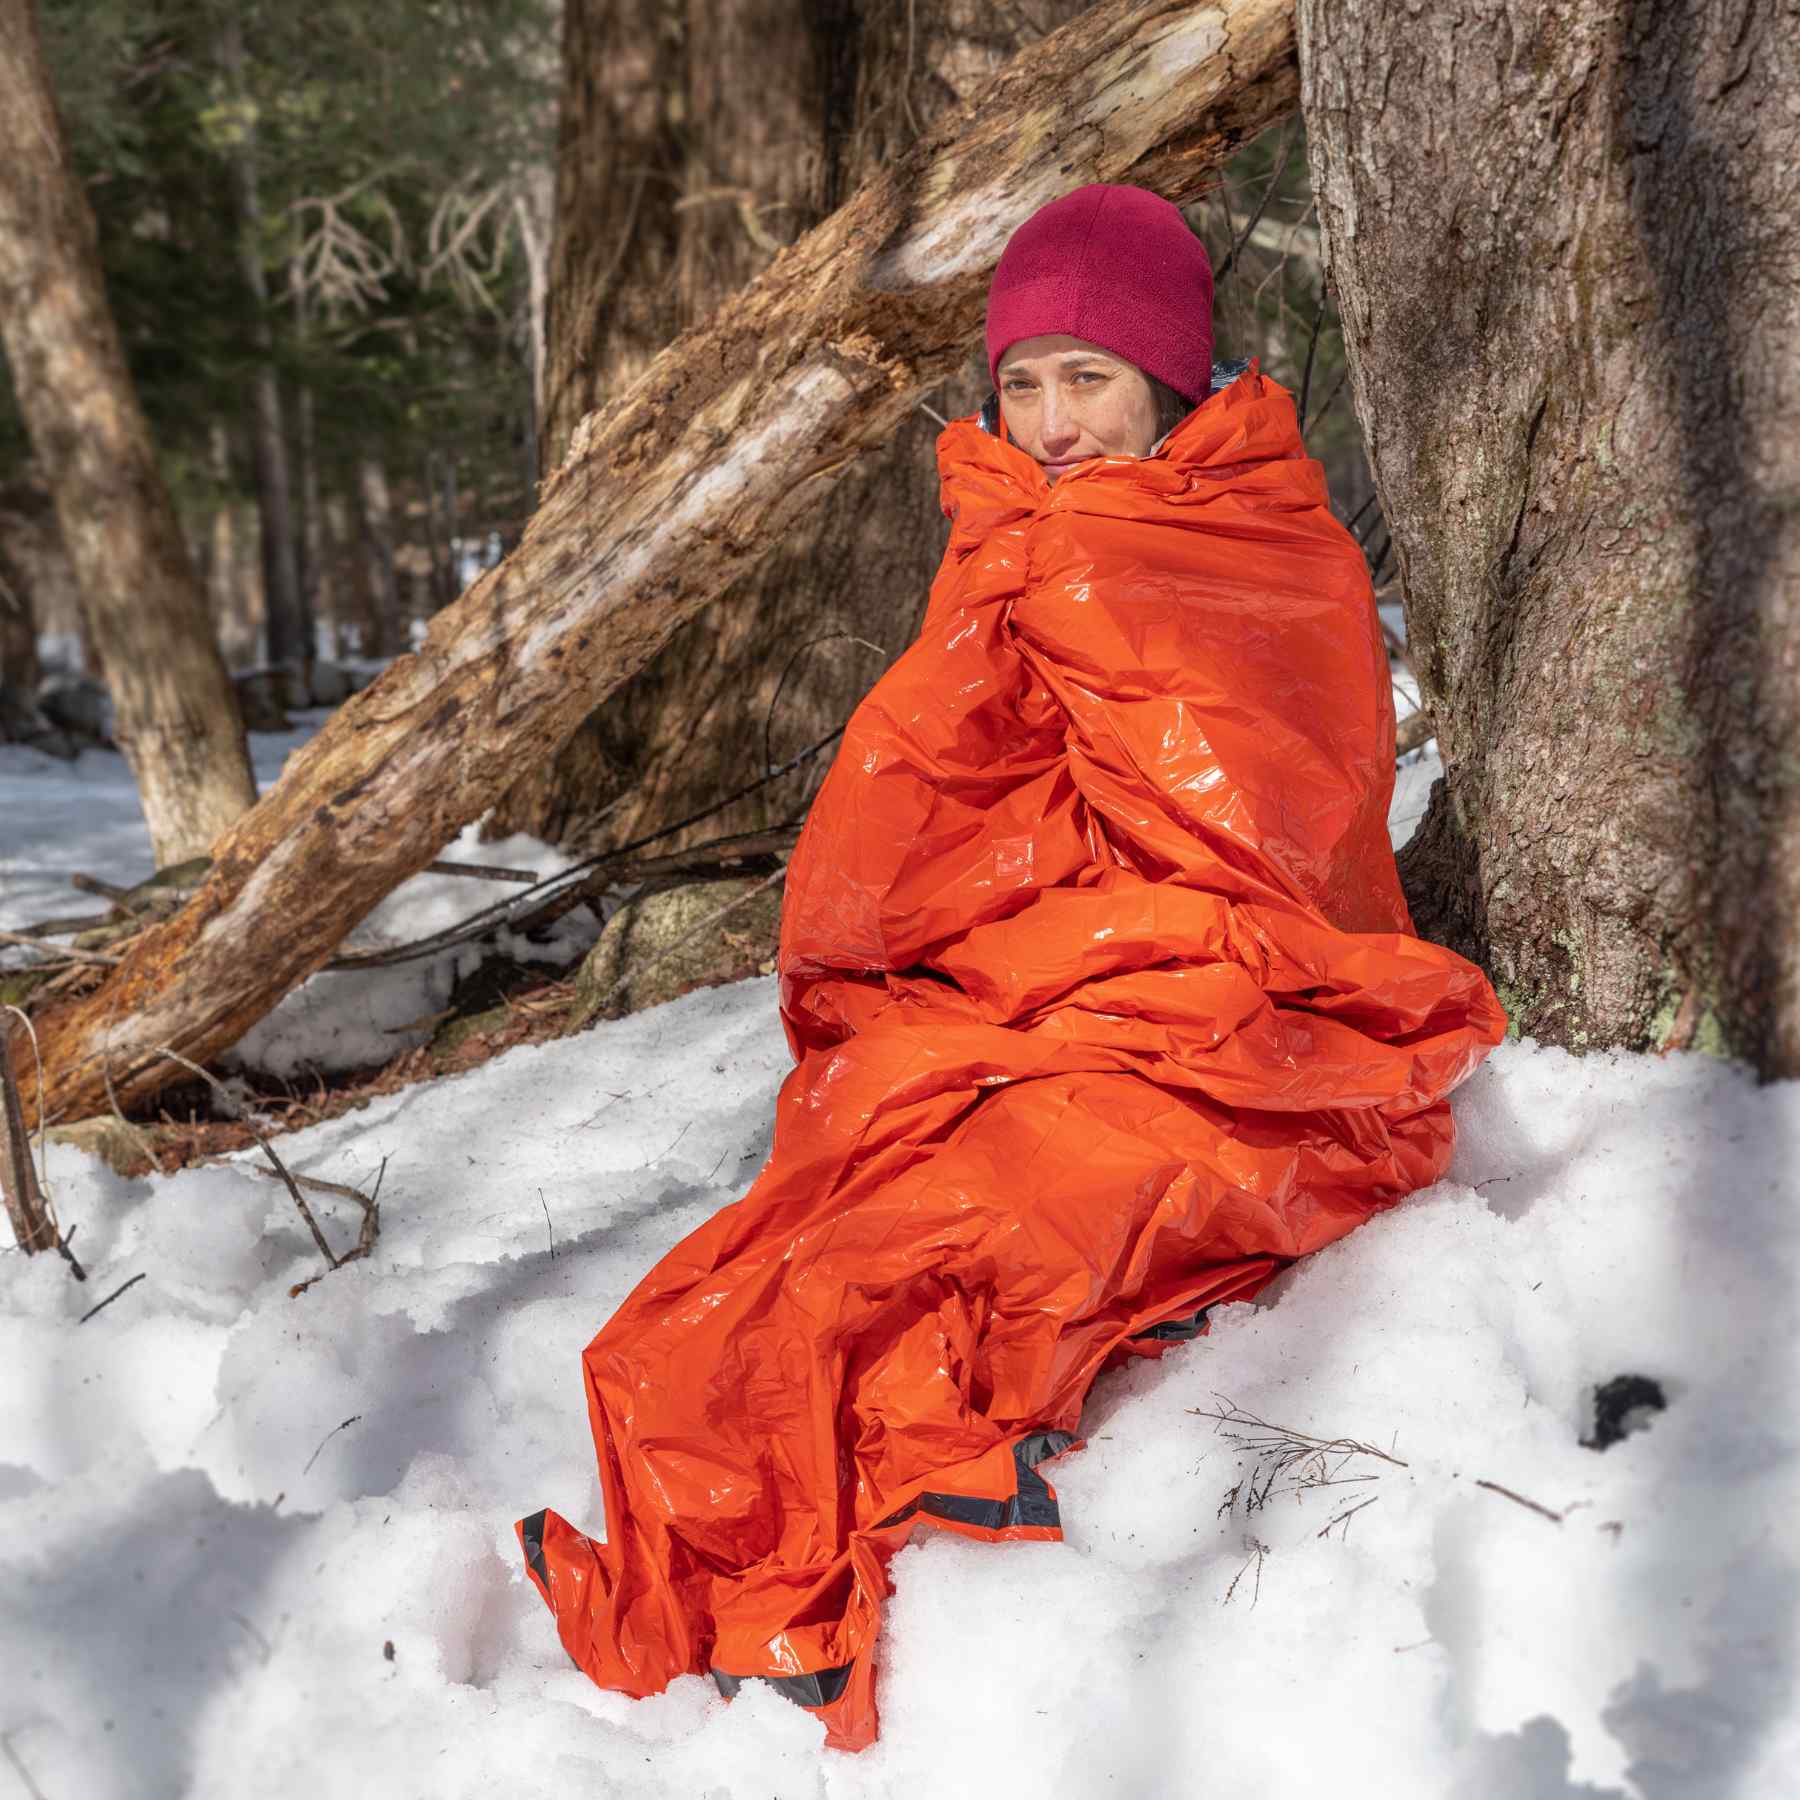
(1101,989)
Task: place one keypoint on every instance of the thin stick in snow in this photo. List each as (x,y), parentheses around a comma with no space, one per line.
(261,1137)
(370,1204)
(1493,1487)
(1345,1517)
(1258,1550)
(545,1204)
(354,1419)
(24,1774)
(124,1287)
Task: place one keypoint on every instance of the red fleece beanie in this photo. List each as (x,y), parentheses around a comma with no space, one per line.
(1118,267)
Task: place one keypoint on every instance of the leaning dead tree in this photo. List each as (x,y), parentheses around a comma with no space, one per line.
(694,473)
(1564,235)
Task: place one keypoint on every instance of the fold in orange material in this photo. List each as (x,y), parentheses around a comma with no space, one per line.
(1105,1006)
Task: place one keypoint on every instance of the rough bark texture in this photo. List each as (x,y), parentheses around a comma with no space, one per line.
(177,721)
(1566,242)
(730,438)
(766,118)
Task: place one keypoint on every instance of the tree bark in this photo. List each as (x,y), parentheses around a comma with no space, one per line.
(1564,240)
(26,514)
(728,439)
(765,117)
(176,718)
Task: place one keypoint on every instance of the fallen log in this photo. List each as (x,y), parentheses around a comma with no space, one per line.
(667,495)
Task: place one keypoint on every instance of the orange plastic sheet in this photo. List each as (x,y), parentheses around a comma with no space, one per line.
(1105,1006)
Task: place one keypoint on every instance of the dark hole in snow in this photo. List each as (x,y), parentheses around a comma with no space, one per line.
(1622,1406)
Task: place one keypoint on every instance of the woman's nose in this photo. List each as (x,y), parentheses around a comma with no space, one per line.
(1055,427)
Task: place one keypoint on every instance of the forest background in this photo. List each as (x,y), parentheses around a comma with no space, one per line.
(372,271)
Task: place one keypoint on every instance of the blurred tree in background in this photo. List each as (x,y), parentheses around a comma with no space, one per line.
(322,230)
(328,242)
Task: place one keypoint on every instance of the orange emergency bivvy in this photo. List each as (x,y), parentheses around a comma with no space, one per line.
(1105,1005)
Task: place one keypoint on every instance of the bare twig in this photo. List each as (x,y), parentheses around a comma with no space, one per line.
(1493,1487)
(57,952)
(1258,1550)
(1312,350)
(1268,193)
(545,1204)
(110,1298)
(105,890)
(1351,523)
(787,668)
(354,1419)
(67,926)
(481,872)
(1345,1517)
(24,1774)
(371,1211)
(262,1138)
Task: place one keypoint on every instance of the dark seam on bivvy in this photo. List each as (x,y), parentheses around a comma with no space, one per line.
(531,1536)
(817,1689)
(1031,1504)
(1175,1331)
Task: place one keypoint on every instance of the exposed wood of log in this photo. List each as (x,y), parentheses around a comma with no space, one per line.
(666,496)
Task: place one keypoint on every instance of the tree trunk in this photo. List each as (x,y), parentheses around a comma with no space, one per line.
(727,441)
(313,559)
(289,621)
(27,519)
(779,113)
(176,718)
(338,544)
(233,602)
(1564,239)
(388,635)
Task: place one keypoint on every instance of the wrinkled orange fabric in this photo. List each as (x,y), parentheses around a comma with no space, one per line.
(1105,1005)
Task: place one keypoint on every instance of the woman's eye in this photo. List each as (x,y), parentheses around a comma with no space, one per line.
(1018,387)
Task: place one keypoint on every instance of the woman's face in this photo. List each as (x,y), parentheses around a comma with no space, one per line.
(1065,400)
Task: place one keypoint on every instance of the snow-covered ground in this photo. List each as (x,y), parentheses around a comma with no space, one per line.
(260,1545)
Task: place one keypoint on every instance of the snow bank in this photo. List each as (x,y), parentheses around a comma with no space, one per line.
(220,1505)
(254,1544)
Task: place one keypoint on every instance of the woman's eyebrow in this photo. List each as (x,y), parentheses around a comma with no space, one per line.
(1069,359)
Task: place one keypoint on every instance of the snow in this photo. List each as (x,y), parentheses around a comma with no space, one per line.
(332,1023)
(221,1504)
